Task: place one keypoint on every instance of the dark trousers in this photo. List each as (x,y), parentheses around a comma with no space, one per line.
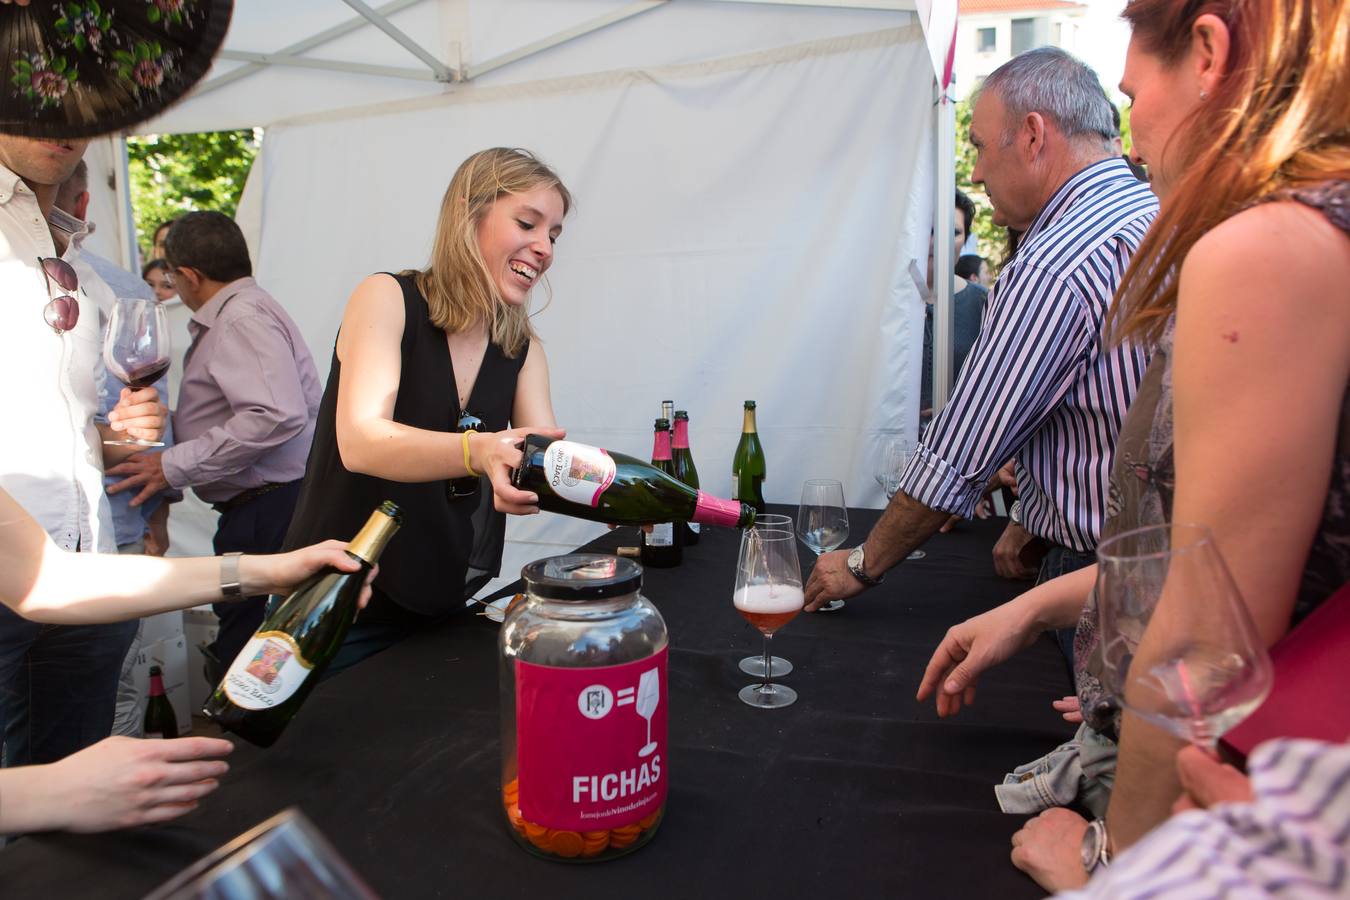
(383,623)
(258,526)
(1060,560)
(58,686)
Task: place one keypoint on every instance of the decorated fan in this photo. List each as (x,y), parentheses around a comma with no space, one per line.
(79,68)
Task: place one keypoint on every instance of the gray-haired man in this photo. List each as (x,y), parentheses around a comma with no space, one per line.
(1040,385)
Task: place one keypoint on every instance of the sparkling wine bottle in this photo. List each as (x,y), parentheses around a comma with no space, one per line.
(663,546)
(747,466)
(276,670)
(685,470)
(591,483)
(160,720)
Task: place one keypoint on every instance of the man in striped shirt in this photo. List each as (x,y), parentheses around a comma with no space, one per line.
(1041,384)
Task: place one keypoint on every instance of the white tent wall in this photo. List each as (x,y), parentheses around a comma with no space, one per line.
(743,229)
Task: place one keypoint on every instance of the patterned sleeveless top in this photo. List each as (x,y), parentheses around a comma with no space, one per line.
(1143,477)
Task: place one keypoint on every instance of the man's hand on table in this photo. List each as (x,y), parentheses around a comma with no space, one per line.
(1008,553)
(1048,848)
(831,580)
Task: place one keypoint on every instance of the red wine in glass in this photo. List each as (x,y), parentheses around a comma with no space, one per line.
(136,350)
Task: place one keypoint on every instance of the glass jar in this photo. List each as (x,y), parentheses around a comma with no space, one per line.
(583,694)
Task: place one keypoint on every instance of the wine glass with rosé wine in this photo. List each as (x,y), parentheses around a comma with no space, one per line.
(136,349)
(768,595)
(753,664)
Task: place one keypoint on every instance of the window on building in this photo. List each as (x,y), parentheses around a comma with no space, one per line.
(1023,35)
(986,39)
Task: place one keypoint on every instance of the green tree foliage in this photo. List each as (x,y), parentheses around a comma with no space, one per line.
(993,239)
(172,174)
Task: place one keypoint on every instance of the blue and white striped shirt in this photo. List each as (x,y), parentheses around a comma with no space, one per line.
(1292,840)
(1040,384)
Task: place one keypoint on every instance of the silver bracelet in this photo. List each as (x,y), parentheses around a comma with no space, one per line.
(230,586)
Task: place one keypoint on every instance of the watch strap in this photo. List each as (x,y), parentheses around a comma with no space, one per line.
(231,588)
(858,570)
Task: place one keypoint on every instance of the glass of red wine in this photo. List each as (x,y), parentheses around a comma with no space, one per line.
(136,349)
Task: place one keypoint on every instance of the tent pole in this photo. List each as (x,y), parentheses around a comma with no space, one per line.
(944,267)
(122,193)
(442,71)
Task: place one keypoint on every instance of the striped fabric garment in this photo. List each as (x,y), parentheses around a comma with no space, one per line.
(1040,383)
(1292,840)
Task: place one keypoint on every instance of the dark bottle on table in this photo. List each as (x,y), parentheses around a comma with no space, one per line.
(685,470)
(160,721)
(591,483)
(747,466)
(663,546)
(279,666)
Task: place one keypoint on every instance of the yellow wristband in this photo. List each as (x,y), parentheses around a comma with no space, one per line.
(464,442)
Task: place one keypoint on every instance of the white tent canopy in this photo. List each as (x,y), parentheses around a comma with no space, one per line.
(752,182)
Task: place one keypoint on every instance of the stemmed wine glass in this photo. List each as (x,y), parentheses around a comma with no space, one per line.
(136,349)
(778,665)
(822,521)
(769,595)
(1178,645)
(895,454)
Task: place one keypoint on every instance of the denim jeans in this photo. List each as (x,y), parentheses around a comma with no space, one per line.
(1059,561)
(58,686)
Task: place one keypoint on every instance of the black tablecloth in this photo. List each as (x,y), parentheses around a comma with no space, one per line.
(855,790)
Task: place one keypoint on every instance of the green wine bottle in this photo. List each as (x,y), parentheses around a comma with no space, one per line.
(747,466)
(591,483)
(279,666)
(685,470)
(663,546)
(160,720)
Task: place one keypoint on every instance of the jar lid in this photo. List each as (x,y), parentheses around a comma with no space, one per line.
(582,576)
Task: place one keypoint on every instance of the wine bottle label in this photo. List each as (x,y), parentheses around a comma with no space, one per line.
(266,672)
(712,510)
(662,535)
(694,527)
(578,472)
(591,743)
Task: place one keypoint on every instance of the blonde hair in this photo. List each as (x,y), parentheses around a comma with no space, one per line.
(1279,119)
(459,290)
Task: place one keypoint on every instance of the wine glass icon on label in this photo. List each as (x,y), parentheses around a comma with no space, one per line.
(648,698)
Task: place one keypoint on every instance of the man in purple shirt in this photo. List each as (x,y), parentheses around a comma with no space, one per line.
(245,413)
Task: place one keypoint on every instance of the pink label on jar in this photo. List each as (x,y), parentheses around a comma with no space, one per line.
(711,510)
(591,743)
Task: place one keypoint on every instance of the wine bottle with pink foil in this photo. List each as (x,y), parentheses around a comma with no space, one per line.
(591,483)
(662,546)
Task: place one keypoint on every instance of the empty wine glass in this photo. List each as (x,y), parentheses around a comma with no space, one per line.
(778,665)
(1178,645)
(768,595)
(822,521)
(895,454)
(136,349)
(284,858)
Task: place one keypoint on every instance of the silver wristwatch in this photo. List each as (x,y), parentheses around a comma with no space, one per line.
(1096,850)
(855,565)
(231,588)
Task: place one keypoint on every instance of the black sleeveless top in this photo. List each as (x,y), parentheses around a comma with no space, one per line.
(446,546)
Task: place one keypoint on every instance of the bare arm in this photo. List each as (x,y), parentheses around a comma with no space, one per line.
(1262,357)
(44,583)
